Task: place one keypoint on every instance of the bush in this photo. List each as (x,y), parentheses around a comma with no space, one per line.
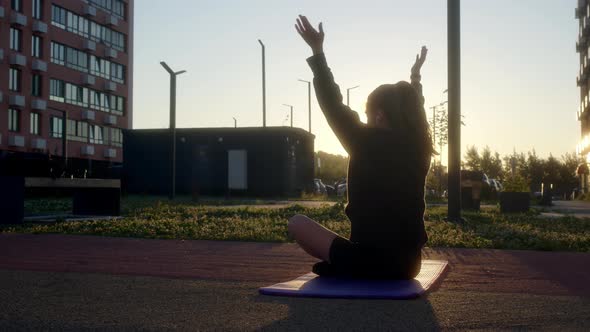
(516,183)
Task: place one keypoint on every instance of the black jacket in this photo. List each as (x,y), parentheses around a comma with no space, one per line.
(386,173)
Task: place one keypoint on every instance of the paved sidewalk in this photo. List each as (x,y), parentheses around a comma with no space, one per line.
(85,282)
(578,209)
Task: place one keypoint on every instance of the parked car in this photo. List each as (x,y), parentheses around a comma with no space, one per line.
(330,190)
(342,189)
(319,187)
(495,185)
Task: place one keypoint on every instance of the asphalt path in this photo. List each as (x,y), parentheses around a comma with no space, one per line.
(79,283)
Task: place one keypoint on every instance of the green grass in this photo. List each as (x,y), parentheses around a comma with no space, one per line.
(149,217)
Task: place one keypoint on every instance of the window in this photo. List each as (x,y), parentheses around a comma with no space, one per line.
(116,137)
(86,28)
(76,59)
(58,53)
(115,7)
(117,105)
(35,123)
(13,120)
(38,9)
(14,76)
(36,85)
(77,131)
(58,17)
(117,73)
(57,90)
(56,127)
(77,24)
(36,47)
(17,5)
(96,134)
(76,95)
(15,39)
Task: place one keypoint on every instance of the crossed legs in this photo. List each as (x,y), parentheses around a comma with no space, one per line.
(314,238)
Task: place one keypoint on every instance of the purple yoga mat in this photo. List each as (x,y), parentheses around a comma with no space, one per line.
(312,285)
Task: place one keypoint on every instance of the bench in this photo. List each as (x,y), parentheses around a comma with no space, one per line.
(91,197)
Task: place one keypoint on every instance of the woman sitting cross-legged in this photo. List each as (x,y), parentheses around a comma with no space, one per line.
(389,159)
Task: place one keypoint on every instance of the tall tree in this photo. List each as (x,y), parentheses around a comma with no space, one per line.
(490,164)
(472,159)
(332,167)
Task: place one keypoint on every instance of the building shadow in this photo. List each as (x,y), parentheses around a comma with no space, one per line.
(352,314)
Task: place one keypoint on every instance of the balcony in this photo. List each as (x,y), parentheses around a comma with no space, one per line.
(18,60)
(110,120)
(39,65)
(110,153)
(110,53)
(38,144)
(110,86)
(39,104)
(112,20)
(89,45)
(88,115)
(89,11)
(87,150)
(18,19)
(88,79)
(16,100)
(39,26)
(16,141)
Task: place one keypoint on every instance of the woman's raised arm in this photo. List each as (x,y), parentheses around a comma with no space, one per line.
(344,122)
(415,76)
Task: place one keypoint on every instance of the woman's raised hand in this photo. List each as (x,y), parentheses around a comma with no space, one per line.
(419,61)
(312,37)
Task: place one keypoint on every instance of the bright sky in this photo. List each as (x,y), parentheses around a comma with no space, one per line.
(519,64)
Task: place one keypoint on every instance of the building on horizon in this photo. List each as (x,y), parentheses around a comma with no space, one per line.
(253,161)
(67,81)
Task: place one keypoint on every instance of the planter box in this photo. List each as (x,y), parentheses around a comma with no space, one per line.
(514,202)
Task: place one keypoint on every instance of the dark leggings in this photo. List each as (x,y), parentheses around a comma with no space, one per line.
(351,259)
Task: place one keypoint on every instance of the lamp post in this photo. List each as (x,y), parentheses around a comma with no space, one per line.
(291,106)
(235,123)
(308,100)
(263,83)
(348,94)
(64,133)
(454,94)
(173,75)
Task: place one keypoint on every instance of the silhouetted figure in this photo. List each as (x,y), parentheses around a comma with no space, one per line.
(389,159)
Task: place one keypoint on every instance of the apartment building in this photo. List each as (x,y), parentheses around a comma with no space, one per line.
(67,92)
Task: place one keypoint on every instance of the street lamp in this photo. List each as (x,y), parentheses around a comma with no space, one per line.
(235,123)
(454,94)
(173,75)
(308,100)
(64,133)
(291,106)
(263,84)
(348,94)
